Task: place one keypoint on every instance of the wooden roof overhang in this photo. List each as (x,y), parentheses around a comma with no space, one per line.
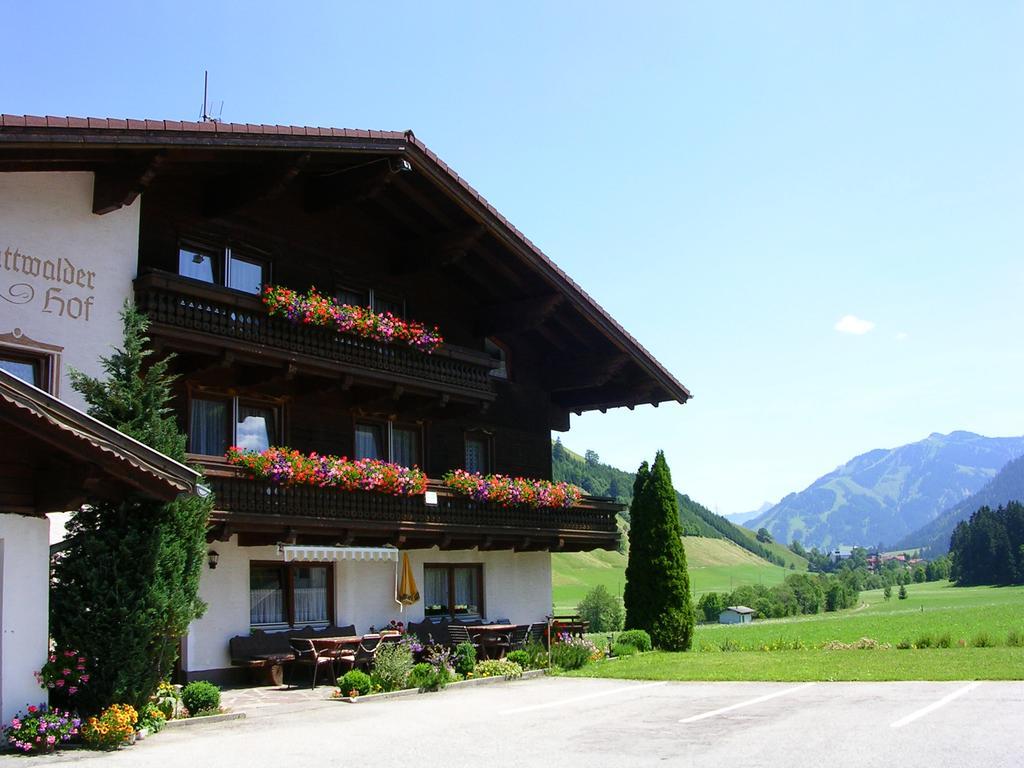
(54,458)
(589,362)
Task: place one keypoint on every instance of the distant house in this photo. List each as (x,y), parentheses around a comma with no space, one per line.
(736,614)
(841,553)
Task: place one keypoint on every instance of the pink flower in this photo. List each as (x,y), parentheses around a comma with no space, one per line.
(65,671)
(15,723)
(85,678)
(72,690)
(60,683)
(53,658)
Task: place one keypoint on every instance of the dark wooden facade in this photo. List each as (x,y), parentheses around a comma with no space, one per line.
(359,211)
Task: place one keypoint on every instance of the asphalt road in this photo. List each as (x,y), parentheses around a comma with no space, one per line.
(578,722)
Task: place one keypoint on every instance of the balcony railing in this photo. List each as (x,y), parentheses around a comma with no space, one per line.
(193,310)
(240,499)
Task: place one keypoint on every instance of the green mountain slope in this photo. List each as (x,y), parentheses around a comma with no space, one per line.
(884,495)
(715,565)
(933,538)
(601,479)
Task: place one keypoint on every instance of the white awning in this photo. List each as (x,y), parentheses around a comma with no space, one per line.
(294,552)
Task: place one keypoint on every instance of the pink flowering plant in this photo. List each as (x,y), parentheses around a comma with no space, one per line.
(508,491)
(64,673)
(40,730)
(313,308)
(284,466)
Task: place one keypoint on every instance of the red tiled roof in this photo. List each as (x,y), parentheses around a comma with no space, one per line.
(673,386)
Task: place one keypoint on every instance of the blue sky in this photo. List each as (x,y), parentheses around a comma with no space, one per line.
(730,180)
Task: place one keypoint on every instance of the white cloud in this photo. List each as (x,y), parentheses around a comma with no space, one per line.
(902,336)
(853,324)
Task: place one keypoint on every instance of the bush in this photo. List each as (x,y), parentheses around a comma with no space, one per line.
(391,667)
(945,640)
(464,658)
(904,645)
(355,680)
(498,668)
(40,730)
(151,717)
(538,655)
(982,640)
(638,638)
(602,609)
(114,726)
(522,658)
(573,653)
(623,649)
(428,677)
(1015,639)
(200,697)
(924,641)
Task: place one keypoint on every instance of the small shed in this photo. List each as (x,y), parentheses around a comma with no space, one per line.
(736,614)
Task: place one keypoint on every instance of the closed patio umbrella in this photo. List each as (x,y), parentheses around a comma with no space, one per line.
(405,588)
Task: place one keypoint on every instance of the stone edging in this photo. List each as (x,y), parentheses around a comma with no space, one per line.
(189,721)
(528,675)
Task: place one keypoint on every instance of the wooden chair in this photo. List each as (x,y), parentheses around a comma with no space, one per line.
(538,633)
(457,633)
(366,653)
(306,654)
(518,638)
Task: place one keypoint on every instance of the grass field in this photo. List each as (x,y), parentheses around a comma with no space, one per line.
(970,617)
(716,565)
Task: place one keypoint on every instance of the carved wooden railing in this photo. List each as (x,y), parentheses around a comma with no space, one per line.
(242,495)
(186,305)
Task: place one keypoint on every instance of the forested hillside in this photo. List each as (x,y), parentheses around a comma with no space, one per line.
(933,539)
(600,479)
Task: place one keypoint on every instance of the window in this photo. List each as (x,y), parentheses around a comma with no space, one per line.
(453,590)
(500,358)
(217,423)
(24,367)
(295,594)
(387,441)
(478,452)
(223,267)
(352,296)
(383,303)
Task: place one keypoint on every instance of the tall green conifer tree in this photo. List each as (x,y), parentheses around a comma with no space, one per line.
(657,582)
(126,583)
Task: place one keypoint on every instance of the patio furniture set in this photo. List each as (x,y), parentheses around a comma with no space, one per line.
(338,649)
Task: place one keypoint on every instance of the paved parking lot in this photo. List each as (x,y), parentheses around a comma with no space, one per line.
(577,722)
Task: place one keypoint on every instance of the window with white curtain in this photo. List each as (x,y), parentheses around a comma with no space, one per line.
(292,594)
(478,453)
(216,423)
(453,590)
(398,443)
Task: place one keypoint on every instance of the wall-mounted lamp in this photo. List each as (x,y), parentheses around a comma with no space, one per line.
(211,558)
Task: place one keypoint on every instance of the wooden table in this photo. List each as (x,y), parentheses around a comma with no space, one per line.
(488,636)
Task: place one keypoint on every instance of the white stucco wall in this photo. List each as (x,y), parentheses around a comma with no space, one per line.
(24,599)
(48,216)
(517,586)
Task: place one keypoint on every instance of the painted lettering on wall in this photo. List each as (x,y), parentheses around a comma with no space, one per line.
(62,287)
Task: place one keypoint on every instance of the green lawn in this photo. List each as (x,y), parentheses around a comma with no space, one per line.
(931,664)
(967,615)
(715,565)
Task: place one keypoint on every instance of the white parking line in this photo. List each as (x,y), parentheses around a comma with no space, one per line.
(574,699)
(934,705)
(748,703)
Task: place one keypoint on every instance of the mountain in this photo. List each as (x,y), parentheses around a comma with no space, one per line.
(741,517)
(601,479)
(1006,486)
(883,495)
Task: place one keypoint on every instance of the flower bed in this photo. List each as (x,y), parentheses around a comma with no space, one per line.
(313,308)
(289,467)
(513,491)
(41,730)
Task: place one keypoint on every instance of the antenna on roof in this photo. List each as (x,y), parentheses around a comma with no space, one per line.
(205,115)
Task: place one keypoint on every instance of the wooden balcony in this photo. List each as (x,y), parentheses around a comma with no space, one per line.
(195,315)
(263,513)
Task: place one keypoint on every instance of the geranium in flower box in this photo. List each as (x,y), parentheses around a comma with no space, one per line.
(285,466)
(313,308)
(508,491)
